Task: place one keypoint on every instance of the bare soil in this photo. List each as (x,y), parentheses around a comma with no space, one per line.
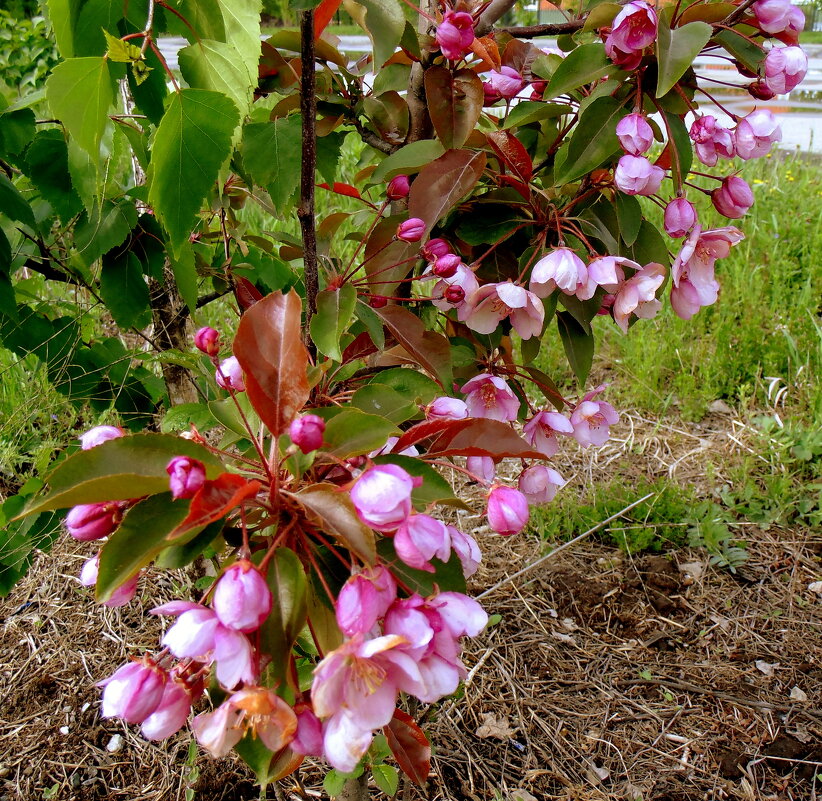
(609,677)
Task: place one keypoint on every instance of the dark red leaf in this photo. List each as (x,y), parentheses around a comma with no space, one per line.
(361,347)
(454,103)
(511,152)
(270,350)
(342,189)
(215,499)
(323,14)
(410,746)
(430,350)
(664,159)
(424,430)
(515,183)
(246,293)
(482,437)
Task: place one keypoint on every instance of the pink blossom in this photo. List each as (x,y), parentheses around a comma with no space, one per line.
(230,375)
(98,435)
(242,599)
(637,295)
(256,709)
(411,230)
(492,303)
(121,596)
(186,476)
(455,34)
(785,69)
(364,599)
(207,340)
(633,29)
(306,432)
(755,134)
(560,268)
(382,496)
(446,408)
(171,713)
(680,217)
(711,140)
(606,272)
(398,187)
(93,521)
(539,484)
(308,740)
(542,429)
(507,510)
(482,466)
(434,248)
(463,280)
(419,539)
(635,175)
(133,691)
(466,549)
(776,16)
(505,83)
(591,420)
(733,198)
(411,450)
(490,397)
(635,134)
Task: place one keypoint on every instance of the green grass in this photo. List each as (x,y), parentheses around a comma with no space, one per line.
(810,37)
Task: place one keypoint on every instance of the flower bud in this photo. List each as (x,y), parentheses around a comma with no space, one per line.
(382,496)
(230,375)
(785,69)
(507,510)
(207,340)
(242,599)
(378,301)
(455,34)
(364,599)
(398,187)
(538,89)
(760,91)
(635,175)
(98,435)
(446,266)
(634,134)
(454,295)
(133,691)
(307,432)
(505,82)
(482,467)
(308,740)
(186,476)
(434,248)
(93,521)
(445,408)
(755,134)
(680,217)
(411,230)
(733,198)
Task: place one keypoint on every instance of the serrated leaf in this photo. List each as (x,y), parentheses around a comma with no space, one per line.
(120,51)
(335,310)
(104,227)
(241,21)
(386,778)
(584,65)
(384,21)
(80,92)
(125,291)
(218,66)
(191,144)
(48,170)
(676,50)
(13,204)
(271,153)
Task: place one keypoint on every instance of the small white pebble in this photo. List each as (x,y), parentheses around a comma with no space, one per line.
(64,730)
(115,744)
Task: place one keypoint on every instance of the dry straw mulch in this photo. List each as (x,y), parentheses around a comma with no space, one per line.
(607,677)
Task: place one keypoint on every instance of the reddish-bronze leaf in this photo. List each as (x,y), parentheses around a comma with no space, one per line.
(342,189)
(269,348)
(511,152)
(485,48)
(323,14)
(246,293)
(215,499)
(425,430)
(441,184)
(387,261)
(482,437)
(429,349)
(284,763)
(454,103)
(409,745)
(361,347)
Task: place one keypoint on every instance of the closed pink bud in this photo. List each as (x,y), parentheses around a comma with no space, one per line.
(776,16)
(634,134)
(733,198)
(93,521)
(446,266)
(635,175)
(364,599)
(398,188)
(434,248)
(207,340)
(382,496)
(411,230)
(482,467)
(455,34)
(507,510)
(680,217)
(230,375)
(785,69)
(454,295)
(171,713)
(539,484)
(419,539)
(538,89)
(308,740)
(505,83)
(242,599)
(446,409)
(186,476)
(98,435)
(307,432)
(133,691)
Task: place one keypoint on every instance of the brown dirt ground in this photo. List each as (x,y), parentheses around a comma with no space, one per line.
(608,678)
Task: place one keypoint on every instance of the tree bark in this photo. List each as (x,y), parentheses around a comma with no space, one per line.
(355,789)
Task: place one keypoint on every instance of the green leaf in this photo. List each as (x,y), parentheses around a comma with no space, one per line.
(434,488)
(120,51)
(98,16)
(335,310)
(256,756)
(629,215)
(582,66)
(13,204)
(124,290)
(271,153)
(750,54)
(191,144)
(408,160)
(180,417)
(185,273)
(177,556)
(151,91)
(63,17)
(48,170)
(104,228)
(384,21)
(117,470)
(218,66)
(334,781)
(594,140)
(139,538)
(412,384)
(681,143)
(676,50)
(578,344)
(386,778)
(329,148)
(447,576)
(650,246)
(354,433)
(80,92)
(528,111)
(16,131)
(241,19)
(384,402)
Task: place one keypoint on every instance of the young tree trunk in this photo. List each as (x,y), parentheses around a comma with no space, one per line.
(355,790)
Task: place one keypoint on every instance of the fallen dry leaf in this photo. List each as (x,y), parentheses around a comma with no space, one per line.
(497,727)
(766,668)
(798,695)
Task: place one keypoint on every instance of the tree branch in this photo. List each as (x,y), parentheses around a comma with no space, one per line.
(305,211)
(495,11)
(530,31)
